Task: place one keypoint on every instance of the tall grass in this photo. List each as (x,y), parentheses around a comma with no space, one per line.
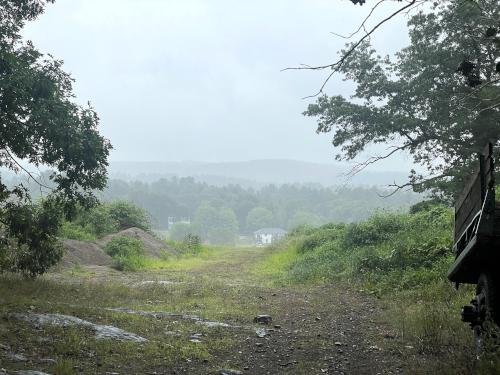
(403,259)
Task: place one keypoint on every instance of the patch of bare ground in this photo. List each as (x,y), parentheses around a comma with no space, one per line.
(203,323)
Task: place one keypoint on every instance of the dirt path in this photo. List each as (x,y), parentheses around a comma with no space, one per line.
(326,329)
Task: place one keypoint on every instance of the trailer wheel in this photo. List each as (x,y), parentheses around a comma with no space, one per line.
(487,307)
(487,297)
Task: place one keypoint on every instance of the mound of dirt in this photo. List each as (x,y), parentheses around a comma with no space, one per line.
(152,245)
(84,253)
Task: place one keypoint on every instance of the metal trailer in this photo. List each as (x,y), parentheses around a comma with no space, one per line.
(477,244)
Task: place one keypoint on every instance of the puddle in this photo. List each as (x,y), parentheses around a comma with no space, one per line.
(101,331)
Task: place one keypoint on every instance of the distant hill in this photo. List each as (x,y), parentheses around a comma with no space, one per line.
(254,173)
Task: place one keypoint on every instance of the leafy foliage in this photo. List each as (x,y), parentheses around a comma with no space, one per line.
(41,124)
(192,243)
(218,225)
(104,219)
(390,251)
(418,102)
(127,253)
(259,217)
(28,243)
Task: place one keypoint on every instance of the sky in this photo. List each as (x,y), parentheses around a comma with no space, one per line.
(176,80)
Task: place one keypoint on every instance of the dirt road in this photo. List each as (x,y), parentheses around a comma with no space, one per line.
(196,317)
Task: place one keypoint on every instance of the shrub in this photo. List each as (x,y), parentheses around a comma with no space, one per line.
(128,215)
(388,251)
(127,253)
(192,243)
(28,242)
(74,231)
(104,219)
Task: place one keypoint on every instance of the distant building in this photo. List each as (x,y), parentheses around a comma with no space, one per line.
(175,220)
(268,236)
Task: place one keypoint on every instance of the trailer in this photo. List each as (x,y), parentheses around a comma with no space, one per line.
(477,244)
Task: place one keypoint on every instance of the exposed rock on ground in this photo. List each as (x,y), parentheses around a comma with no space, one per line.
(102,331)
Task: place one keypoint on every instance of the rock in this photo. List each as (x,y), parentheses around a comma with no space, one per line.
(277,326)
(17,357)
(163,314)
(196,338)
(338,343)
(230,372)
(101,331)
(263,319)
(30,372)
(212,324)
(261,332)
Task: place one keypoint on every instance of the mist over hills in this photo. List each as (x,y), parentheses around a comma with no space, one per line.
(255,173)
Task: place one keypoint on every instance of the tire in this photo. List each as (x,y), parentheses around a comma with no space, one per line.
(487,297)
(487,303)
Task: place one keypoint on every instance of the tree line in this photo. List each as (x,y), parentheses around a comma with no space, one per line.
(221,212)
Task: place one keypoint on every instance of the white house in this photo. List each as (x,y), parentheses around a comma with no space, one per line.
(268,236)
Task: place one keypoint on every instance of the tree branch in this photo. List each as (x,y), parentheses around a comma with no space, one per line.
(335,67)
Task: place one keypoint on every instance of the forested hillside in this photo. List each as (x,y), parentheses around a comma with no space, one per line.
(287,206)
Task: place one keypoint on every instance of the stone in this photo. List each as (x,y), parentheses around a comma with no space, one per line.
(338,343)
(263,319)
(261,332)
(101,331)
(17,357)
(230,372)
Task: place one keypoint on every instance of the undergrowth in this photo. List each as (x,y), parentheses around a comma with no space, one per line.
(402,259)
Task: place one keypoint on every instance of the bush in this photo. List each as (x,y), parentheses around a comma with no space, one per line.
(74,231)
(128,215)
(192,243)
(104,219)
(388,250)
(28,243)
(127,253)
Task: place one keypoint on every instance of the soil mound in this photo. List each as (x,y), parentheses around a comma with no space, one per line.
(152,245)
(84,253)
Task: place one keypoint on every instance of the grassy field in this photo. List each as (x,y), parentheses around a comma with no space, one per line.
(361,298)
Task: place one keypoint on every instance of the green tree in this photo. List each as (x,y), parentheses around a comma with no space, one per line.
(127,215)
(303,217)
(259,217)
(217,225)
(437,101)
(41,124)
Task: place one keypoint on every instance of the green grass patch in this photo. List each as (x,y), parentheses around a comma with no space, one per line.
(403,259)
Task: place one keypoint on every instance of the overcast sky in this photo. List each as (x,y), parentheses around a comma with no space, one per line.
(200,80)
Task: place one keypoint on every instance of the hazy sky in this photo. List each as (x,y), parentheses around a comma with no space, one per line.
(200,79)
